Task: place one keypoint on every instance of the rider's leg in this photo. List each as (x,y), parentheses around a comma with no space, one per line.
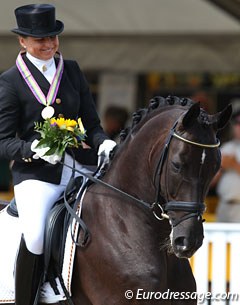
(34,200)
(28,274)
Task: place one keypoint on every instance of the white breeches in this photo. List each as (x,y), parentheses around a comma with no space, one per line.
(34,200)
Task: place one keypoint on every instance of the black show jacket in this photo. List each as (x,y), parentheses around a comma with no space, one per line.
(19,109)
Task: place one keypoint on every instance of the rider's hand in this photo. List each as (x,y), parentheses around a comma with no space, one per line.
(40,153)
(104,151)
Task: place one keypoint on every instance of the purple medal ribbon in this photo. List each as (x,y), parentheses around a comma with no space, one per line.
(36,90)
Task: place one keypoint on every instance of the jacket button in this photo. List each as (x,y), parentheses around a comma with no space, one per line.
(61,115)
(58,101)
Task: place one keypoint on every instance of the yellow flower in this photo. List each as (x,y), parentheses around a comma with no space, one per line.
(80,124)
(70,129)
(70,123)
(63,123)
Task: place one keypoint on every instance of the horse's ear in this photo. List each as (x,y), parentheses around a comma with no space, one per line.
(191,116)
(221,119)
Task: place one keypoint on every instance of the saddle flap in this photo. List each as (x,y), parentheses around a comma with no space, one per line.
(57,224)
(54,235)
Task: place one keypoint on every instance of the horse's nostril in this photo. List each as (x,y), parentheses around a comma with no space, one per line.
(180,242)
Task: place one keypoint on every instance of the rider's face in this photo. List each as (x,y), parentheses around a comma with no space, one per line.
(41,48)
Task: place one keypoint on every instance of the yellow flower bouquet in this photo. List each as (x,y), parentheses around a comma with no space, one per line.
(58,134)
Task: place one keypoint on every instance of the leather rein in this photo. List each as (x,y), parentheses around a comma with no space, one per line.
(194,209)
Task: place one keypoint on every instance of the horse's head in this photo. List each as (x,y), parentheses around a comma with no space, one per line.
(169,157)
(188,162)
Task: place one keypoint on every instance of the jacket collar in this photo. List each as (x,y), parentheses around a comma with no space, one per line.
(38,76)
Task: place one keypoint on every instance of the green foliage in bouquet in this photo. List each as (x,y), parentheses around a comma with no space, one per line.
(58,134)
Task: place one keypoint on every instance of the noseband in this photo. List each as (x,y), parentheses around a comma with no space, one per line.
(193,209)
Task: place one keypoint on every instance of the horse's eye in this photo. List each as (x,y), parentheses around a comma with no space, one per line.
(176,167)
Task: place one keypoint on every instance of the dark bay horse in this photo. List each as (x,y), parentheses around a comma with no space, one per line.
(139,249)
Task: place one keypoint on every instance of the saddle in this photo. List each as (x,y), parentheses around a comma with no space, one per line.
(57,224)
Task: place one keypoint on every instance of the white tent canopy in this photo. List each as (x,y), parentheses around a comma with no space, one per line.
(138,35)
(112,17)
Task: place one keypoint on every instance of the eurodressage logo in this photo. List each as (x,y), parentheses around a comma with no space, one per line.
(157,295)
(184,295)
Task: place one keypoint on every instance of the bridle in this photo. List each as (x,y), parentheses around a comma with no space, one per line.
(193,209)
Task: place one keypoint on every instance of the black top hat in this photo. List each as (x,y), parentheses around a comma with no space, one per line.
(37,20)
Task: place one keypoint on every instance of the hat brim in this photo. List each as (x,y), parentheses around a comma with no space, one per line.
(58,29)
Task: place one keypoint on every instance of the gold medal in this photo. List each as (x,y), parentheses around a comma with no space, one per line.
(47,112)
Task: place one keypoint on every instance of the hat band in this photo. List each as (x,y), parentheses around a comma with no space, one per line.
(36,30)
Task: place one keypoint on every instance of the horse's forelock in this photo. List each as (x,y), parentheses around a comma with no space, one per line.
(205,119)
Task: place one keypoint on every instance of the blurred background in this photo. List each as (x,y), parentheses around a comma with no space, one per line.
(132,50)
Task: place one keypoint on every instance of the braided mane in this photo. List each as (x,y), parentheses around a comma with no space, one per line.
(155,103)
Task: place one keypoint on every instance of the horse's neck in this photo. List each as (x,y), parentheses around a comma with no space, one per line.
(130,173)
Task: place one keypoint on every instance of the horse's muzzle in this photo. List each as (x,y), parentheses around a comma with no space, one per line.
(187,234)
